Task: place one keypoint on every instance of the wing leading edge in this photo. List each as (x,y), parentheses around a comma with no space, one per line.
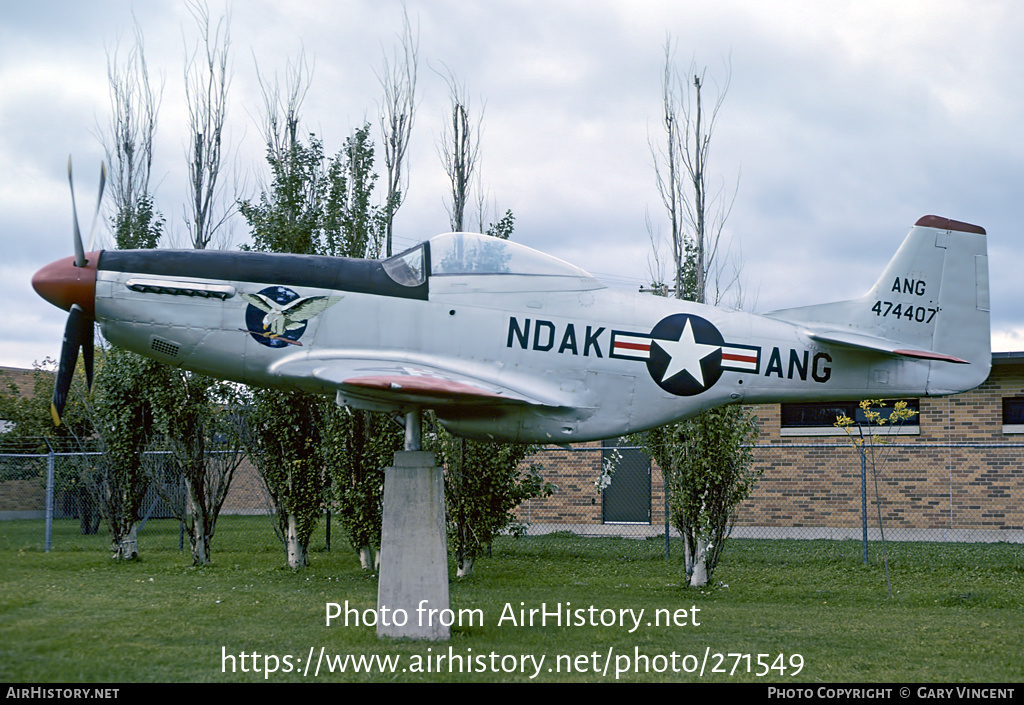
(418,387)
(378,382)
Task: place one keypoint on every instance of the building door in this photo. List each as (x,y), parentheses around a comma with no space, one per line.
(627,500)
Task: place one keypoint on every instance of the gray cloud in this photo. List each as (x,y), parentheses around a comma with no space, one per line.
(844,123)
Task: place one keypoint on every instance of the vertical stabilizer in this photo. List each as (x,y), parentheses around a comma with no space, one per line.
(930,303)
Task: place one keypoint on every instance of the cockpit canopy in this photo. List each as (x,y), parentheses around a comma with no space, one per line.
(471,253)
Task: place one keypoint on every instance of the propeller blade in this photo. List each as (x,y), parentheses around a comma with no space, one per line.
(74,335)
(79,249)
(99,201)
(88,351)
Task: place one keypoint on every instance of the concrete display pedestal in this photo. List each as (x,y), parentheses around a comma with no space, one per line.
(412,589)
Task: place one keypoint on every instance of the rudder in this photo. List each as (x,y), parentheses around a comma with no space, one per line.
(962,326)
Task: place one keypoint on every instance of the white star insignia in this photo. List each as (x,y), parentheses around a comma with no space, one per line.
(685,355)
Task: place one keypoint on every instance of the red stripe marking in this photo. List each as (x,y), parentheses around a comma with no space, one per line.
(633,346)
(409,384)
(734,357)
(927,355)
(937,221)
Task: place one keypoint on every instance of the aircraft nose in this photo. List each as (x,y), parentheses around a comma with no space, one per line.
(63,284)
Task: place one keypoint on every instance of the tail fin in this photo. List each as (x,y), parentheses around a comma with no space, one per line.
(930,303)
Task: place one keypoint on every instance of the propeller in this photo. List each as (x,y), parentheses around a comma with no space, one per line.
(78,332)
(99,202)
(80,260)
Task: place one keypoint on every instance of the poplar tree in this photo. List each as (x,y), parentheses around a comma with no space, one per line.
(311,454)
(194,414)
(121,412)
(483,481)
(282,431)
(705,460)
(358,444)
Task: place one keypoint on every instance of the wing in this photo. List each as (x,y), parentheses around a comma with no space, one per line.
(259,301)
(381,382)
(304,309)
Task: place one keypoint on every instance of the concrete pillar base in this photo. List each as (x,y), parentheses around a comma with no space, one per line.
(413,581)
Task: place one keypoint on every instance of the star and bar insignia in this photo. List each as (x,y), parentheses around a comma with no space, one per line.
(685,354)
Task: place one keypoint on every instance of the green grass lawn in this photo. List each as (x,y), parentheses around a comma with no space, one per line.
(812,609)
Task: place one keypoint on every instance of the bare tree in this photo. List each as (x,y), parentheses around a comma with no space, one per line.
(696,218)
(459,150)
(280,119)
(398,79)
(128,143)
(206,94)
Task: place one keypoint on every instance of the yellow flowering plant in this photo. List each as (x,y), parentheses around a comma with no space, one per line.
(865,445)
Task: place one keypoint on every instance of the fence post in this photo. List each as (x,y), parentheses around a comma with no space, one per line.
(665,496)
(864,501)
(186,508)
(50,466)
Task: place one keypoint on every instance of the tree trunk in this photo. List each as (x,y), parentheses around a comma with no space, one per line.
(465,567)
(199,536)
(200,550)
(369,559)
(127,547)
(700,574)
(88,513)
(297,557)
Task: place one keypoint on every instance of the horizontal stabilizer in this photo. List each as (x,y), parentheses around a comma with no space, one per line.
(881,345)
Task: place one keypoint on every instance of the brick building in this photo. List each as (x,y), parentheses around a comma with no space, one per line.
(955,472)
(20,381)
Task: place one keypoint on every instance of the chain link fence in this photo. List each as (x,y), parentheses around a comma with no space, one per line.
(919,491)
(50,500)
(922,491)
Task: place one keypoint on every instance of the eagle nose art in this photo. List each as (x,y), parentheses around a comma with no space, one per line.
(63,284)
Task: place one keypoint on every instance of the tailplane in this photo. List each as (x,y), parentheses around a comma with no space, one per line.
(931,303)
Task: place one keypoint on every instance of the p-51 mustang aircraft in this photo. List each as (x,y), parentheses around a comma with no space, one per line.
(506,343)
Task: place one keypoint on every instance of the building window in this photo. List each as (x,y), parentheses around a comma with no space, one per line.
(1013,415)
(819,418)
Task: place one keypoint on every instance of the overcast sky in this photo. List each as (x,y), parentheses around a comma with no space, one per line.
(842,125)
